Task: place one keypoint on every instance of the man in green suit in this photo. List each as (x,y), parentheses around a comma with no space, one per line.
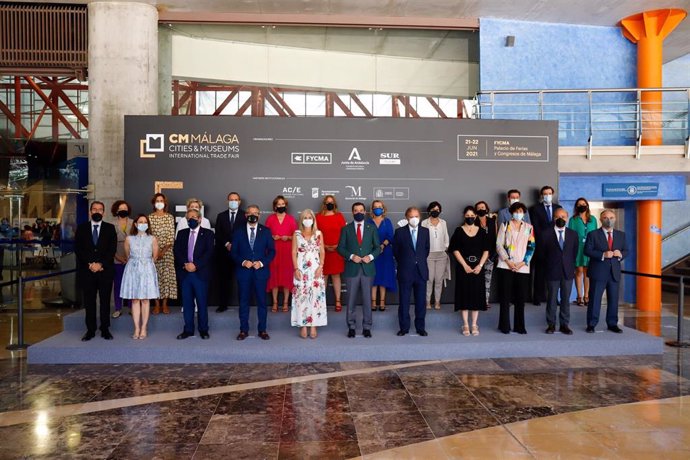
(359,245)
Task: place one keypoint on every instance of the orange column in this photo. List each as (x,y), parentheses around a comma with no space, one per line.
(648,30)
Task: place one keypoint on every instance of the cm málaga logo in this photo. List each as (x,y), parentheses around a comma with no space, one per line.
(152,144)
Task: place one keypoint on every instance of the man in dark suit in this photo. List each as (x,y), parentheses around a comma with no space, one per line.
(558,247)
(359,245)
(193,251)
(95,246)
(252,250)
(411,248)
(226,223)
(606,248)
(542,218)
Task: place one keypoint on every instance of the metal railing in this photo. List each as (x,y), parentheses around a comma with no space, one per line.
(678,343)
(610,116)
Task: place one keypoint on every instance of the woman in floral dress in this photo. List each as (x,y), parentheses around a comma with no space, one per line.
(309,291)
(163,228)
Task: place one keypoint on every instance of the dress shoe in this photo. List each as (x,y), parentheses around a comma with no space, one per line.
(351,334)
(401,333)
(366,333)
(221,309)
(422,332)
(204,335)
(117,313)
(551,329)
(264,335)
(242,335)
(184,335)
(106,334)
(615,329)
(521,331)
(88,336)
(590,330)
(566,330)
(505,331)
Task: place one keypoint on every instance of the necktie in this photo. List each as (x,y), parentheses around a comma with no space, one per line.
(359,234)
(610,240)
(252,237)
(232,219)
(190,246)
(94,235)
(548,212)
(414,238)
(560,239)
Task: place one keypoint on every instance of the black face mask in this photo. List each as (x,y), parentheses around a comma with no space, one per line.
(124,213)
(330,206)
(96,217)
(582,208)
(252,219)
(281,209)
(359,216)
(560,223)
(482,212)
(435,213)
(470,220)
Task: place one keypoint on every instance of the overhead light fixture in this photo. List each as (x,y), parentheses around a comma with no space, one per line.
(510,41)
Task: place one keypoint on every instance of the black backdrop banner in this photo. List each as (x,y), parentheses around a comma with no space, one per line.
(404,162)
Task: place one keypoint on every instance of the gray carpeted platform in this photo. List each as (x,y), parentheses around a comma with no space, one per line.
(444,341)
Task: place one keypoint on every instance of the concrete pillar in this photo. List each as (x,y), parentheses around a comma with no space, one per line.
(123,80)
(164,70)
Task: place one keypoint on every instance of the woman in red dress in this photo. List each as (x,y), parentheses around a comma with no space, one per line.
(331,221)
(282,226)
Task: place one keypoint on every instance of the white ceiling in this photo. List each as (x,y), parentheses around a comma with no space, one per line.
(592,12)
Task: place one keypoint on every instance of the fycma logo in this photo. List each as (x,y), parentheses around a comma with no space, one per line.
(303,158)
(152,144)
(354,161)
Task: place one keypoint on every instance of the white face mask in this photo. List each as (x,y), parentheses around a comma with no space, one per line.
(308,223)
(234,205)
(513,200)
(160,205)
(414,221)
(548,199)
(142,227)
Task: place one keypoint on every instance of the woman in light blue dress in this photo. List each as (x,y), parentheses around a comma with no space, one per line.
(140,280)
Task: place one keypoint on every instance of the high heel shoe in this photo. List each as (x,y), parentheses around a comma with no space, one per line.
(466,331)
(303,333)
(475,330)
(135,336)
(382,306)
(313,333)
(143,334)
(274,309)
(338,306)
(285,308)
(585,301)
(437,306)
(578,302)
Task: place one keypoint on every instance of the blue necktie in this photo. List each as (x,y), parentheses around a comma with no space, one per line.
(94,235)
(252,237)
(414,238)
(232,220)
(560,239)
(548,212)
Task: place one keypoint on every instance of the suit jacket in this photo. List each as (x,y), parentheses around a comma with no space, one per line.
(540,221)
(595,246)
(411,261)
(348,246)
(264,251)
(103,252)
(223,230)
(504,216)
(559,264)
(203,252)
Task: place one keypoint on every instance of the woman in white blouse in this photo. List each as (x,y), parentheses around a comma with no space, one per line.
(438,261)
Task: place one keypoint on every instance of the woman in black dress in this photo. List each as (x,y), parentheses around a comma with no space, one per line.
(469,247)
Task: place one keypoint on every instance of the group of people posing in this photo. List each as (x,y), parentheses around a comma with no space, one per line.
(145,258)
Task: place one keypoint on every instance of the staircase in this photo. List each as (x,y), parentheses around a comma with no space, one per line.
(682,267)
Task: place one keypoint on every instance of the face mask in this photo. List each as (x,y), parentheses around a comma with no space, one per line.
(378,212)
(142,227)
(547,199)
(281,209)
(413,221)
(330,206)
(160,206)
(308,223)
(582,208)
(435,213)
(470,220)
(252,219)
(192,223)
(608,223)
(513,200)
(518,215)
(482,212)
(234,205)
(96,217)
(124,213)
(359,216)
(560,223)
